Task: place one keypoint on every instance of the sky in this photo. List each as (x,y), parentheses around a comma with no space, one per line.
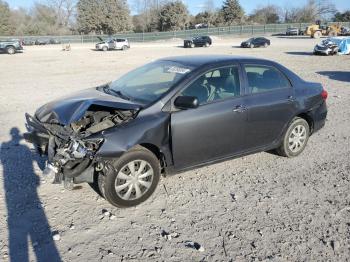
(195,6)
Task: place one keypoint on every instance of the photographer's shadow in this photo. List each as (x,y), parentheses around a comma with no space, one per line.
(26,217)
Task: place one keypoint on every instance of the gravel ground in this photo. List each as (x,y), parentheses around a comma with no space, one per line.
(260,207)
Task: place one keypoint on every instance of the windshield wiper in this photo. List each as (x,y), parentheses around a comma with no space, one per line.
(119,93)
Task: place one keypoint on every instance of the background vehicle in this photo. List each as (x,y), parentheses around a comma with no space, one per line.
(28,42)
(317,30)
(326,47)
(42,41)
(113,44)
(119,137)
(10,46)
(54,41)
(293,31)
(256,42)
(198,41)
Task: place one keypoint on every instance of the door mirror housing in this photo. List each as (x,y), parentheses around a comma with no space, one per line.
(186,102)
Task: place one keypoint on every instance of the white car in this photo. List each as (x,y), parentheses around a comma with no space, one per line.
(113,44)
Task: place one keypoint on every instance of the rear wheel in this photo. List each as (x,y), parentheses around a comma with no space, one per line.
(192,45)
(317,34)
(10,50)
(131,179)
(295,138)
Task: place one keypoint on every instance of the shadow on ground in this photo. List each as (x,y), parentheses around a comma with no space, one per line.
(336,75)
(26,216)
(299,53)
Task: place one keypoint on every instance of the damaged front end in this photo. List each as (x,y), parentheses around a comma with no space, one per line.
(71,148)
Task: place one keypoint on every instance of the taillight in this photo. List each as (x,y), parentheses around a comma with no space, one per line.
(324,94)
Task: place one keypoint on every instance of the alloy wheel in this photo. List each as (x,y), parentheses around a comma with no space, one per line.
(297,138)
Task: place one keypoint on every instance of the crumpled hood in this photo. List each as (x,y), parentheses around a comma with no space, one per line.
(69,109)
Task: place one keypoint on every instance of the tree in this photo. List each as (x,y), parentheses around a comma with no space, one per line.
(232,12)
(265,15)
(115,16)
(147,18)
(342,17)
(313,10)
(103,16)
(173,16)
(5,25)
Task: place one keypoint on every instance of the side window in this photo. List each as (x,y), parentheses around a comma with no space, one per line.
(265,78)
(214,85)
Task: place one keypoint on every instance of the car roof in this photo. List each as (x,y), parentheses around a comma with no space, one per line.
(200,60)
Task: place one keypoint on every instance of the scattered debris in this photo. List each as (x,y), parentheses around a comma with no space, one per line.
(233,196)
(56,236)
(194,245)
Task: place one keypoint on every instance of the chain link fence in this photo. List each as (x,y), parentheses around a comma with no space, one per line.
(154,36)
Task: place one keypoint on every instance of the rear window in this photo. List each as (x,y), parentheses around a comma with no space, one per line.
(265,78)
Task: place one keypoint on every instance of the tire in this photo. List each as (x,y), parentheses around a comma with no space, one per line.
(295,139)
(207,44)
(317,34)
(11,50)
(124,47)
(105,48)
(251,46)
(119,170)
(266,45)
(192,45)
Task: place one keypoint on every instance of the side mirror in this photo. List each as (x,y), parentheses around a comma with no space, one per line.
(186,102)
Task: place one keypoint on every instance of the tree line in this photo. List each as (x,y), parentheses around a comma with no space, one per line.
(56,17)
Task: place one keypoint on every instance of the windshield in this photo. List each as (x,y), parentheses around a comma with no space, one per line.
(149,82)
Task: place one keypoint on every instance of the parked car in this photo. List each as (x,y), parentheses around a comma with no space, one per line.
(54,41)
(171,115)
(27,42)
(256,42)
(198,41)
(293,31)
(10,46)
(345,31)
(113,44)
(326,47)
(42,41)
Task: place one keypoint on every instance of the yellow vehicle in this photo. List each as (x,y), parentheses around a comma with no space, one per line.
(317,30)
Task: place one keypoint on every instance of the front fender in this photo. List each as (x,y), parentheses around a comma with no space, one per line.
(148,129)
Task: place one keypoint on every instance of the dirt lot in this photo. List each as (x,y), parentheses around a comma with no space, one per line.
(260,207)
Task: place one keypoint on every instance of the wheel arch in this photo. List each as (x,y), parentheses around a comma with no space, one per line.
(157,152)
(308,119)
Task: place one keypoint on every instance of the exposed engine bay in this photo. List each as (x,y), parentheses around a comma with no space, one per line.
(70,151)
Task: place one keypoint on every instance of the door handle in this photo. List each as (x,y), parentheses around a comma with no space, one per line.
(291,99)
(239,109)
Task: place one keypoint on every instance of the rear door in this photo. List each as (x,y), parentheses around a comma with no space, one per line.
(216,128)
(270,104)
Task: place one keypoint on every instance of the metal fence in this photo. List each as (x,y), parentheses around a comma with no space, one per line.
(153,36)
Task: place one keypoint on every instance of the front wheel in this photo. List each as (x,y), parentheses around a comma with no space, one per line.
(207,44)
(105,48)
(10,50)
(295,139)
(131,179)
(251,46)
(265,45)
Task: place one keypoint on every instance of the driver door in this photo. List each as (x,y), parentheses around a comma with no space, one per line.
(216,128)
